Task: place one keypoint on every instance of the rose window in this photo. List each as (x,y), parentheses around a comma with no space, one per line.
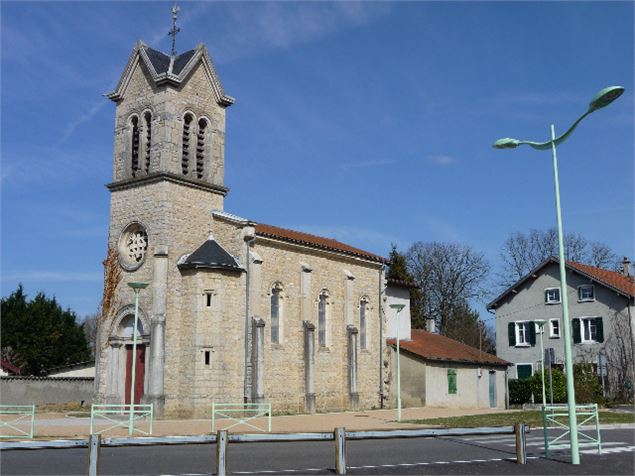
(133,245)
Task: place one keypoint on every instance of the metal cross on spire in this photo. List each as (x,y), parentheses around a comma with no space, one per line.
(175,29)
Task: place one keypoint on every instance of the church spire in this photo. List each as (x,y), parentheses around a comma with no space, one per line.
(175,29)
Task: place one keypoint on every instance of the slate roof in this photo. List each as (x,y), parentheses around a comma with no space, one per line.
(436,347)
(314,241)
(166,69)
(618,282)
(210,255)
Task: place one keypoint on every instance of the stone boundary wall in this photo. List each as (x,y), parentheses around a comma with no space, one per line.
(43,390)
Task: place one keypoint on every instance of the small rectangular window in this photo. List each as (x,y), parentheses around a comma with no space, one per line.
(586,293)
(207,357)
(452,381)
(552,296)
(554,328)
(208,299)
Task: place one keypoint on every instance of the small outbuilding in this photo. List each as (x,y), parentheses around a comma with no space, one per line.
(441,372)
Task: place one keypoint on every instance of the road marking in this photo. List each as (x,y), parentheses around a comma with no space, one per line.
(621,449)
(608,443)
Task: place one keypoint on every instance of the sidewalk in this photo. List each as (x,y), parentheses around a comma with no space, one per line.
(58,425)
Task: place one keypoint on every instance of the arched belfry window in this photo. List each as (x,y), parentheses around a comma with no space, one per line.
(200,147)
(185,157)
(276,311)
(147,120)
(134,163)
(323,301)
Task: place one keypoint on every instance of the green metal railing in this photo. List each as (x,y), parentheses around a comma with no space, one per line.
(241,414)
(17,414)
(120,417)
(557,416)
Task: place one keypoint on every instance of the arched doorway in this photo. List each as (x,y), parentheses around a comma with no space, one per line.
(126,328)
(120,368)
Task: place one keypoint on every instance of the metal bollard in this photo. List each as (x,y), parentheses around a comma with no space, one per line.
(221,452)
(340,450)
(521,443)
(94,446)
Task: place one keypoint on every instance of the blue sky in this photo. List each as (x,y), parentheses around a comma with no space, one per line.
(368,122)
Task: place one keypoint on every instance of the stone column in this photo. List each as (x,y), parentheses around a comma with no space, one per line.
(258,360)
(352,332)
(309,366)
(113,394)
(156,363)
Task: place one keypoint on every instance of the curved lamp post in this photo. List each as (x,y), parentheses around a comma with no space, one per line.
(398,308)
(137,287)
(602,99)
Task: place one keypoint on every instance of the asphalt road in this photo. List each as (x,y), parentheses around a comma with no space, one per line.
(468,455)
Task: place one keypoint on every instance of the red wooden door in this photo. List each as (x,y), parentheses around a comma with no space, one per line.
(140,373)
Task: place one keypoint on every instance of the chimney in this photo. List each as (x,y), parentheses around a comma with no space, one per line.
(431,325)
(626,266)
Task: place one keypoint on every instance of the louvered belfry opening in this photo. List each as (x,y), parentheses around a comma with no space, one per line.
(135,145)
(185,157)
(200,148)
(148,129)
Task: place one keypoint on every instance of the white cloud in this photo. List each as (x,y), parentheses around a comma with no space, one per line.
(254,26)
(442,159)
(72,126)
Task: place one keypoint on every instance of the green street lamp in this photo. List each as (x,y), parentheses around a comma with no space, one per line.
(137,287)
(541,327)
(398,308)
(602,99)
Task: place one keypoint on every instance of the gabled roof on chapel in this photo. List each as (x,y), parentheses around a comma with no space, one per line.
(168,69)
(210,255)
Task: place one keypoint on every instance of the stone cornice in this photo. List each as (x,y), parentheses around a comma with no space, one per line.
(168,177)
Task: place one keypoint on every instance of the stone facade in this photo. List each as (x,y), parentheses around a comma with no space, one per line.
(207,330)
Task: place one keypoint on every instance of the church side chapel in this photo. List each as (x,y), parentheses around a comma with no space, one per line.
(235,311)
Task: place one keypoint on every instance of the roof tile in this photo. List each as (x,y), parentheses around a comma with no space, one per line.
(330,244)
(438,347)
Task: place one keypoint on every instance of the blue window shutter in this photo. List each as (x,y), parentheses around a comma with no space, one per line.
(600,329)
(577,336)
(511,332)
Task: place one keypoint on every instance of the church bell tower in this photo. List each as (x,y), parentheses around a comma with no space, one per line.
(168,177)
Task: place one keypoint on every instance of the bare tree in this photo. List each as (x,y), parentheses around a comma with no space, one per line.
(620,354)
(522,252)
(90,330)
(448,275)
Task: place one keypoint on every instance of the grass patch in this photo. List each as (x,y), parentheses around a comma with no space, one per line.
(532,418)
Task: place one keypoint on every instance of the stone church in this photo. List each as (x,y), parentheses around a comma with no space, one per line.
(235,311)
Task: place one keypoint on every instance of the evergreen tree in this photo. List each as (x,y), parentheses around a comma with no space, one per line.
(40,334)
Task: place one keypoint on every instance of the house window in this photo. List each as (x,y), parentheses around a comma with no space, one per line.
(322,303)
(586,293)
(275,315)
(524,371)
(452,381)
(523,330)
(207,357)
(587,330)
(362,323)
(552,296)
(554,328)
